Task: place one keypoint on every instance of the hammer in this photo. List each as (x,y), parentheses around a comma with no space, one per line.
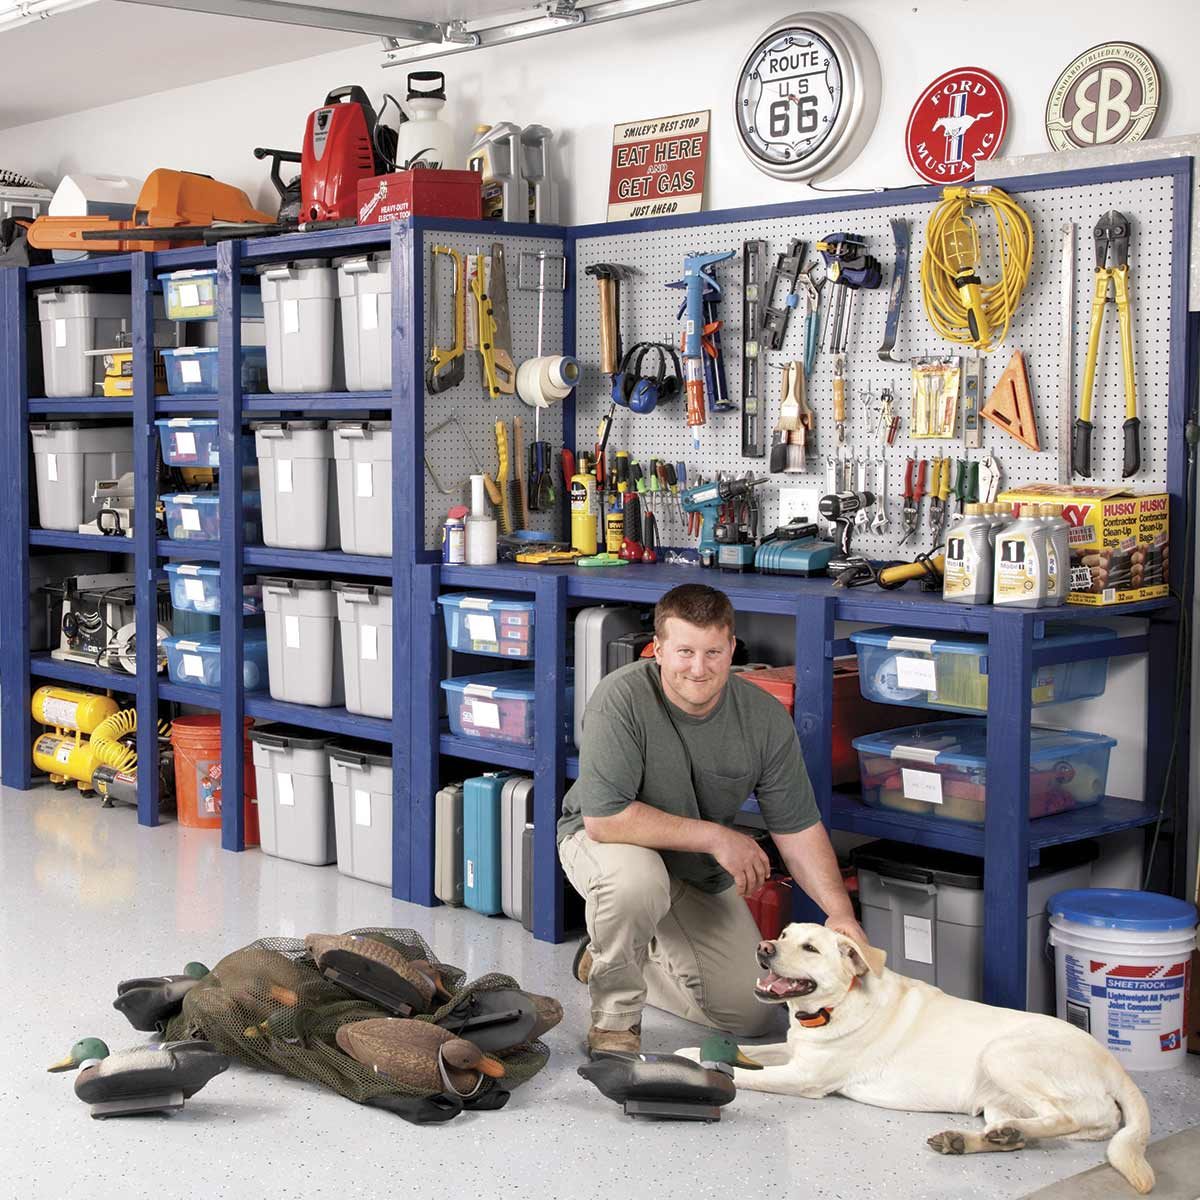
(609,276)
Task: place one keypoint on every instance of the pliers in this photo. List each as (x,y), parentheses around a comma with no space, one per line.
(939,496)
(1112,245)
(915,474)
(966,485)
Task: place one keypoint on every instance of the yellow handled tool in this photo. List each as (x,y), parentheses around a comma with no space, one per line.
(506,513)
(891,576)
(839,396)
(445,368)
(486,327)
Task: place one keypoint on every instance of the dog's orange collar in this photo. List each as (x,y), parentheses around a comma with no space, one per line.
(822,1016)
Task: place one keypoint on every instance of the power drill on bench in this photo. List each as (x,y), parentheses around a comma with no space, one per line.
(708,499)
(840,508)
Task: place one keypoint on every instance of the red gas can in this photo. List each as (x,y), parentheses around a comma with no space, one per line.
(771,905)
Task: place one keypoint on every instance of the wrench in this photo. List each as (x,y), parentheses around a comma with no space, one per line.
(879,490)
(862,469)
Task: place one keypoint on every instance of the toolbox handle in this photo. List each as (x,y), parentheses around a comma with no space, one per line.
(908,879)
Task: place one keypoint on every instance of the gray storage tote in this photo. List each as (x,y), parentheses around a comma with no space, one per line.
(69,457)
(362,807)
(365,297)
(304,654)
(363,452)
(365,626)
(299,490)
(300,316)
(295,794)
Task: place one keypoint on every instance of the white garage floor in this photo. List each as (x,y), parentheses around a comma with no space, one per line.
(87,898)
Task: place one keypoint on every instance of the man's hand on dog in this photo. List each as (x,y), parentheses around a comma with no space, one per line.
(742,857)
(850,927)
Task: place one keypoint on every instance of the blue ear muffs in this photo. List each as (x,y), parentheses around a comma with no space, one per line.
(627,375)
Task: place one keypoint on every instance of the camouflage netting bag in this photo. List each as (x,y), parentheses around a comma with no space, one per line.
(270,1006)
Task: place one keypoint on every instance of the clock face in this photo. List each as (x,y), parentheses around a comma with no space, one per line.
(789,97)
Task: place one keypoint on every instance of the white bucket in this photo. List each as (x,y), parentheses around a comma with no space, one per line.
(1121,968)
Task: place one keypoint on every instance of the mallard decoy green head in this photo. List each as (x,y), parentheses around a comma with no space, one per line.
(720,1053)
(85,1050)
(195,970)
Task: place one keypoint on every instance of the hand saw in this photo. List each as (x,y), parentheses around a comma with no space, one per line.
(502,356)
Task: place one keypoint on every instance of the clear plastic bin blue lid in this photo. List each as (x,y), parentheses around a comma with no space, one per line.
(1058,633)
(1116,908)
(485,603)
(250,499)
(197,351)
(501,685)
(964,743)
(251,638)
(187,422)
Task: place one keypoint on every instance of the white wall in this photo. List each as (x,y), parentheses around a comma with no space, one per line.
(581,83)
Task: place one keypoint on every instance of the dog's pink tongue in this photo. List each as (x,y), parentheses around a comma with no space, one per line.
(773,983)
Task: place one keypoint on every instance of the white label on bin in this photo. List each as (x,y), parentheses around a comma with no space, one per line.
(917,673)
(368,309)
(369,643)
(185,440)
(480,627)
(190,518)
(189,372)
(283,474)
(284,792)
(362,807)
(189,295)
(193,589)
(479,602)
(291,632)
(364,482)
(918,939)
(60,331)
(193,665)
(485,714)
(52,467)
(291,316)
(921,785)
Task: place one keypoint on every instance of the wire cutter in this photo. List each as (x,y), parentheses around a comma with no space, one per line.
(939,495)
(915,474)
(1112,246)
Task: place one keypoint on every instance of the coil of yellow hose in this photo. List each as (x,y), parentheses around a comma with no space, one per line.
(107,747)
(940,290)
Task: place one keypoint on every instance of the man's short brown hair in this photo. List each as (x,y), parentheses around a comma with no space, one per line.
(697,604)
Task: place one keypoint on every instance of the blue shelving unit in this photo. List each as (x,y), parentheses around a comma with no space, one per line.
(424,751)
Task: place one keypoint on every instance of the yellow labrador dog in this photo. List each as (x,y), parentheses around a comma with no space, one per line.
(862,1031)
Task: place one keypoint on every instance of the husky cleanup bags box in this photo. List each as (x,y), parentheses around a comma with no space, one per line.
(1119,539)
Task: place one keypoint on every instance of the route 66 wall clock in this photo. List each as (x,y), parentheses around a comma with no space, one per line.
(807,96)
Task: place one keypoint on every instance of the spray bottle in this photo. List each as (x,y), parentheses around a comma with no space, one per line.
(968,567)
(481,528)
(425,140)
(1020,563)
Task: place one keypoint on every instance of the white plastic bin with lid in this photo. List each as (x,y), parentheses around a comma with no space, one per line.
(75,320)
(362,810)
(69,457)
(1121,968)
(365,625)
(295,794)
(300,311)
(304,653)
(363,453)
(299,490)
(924,908)
(365,295)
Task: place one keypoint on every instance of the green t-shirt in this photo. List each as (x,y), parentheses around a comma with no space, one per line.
(638,746)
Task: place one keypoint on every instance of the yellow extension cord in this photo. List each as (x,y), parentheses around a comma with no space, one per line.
(941,289)
(107,747)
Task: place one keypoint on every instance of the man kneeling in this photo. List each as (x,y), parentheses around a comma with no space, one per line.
(672,749)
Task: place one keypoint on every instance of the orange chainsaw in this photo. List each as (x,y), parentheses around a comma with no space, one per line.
(173,206)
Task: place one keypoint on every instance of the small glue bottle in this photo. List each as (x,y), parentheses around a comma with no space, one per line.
(481,528)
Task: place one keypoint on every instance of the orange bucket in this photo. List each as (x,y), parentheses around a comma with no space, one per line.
(197,743)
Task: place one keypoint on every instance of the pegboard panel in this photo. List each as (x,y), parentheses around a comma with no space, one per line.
(448,452)
(649,313)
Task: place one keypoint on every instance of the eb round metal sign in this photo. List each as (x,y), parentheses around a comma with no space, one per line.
(960,118)
(1109,94)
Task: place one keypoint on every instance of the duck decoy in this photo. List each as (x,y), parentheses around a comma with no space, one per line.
(150,1002)
(668,1085)
(501,1019)
(154,1078)
(377,972)
(419,1055)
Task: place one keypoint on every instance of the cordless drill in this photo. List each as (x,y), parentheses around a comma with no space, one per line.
(707,499)
(840,509)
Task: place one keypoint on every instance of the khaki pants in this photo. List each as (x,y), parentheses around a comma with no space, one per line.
(657,940)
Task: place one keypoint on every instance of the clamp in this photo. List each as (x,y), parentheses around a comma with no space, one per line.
(1112,246)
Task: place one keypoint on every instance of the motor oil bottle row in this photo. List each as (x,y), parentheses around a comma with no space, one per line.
(1032,559)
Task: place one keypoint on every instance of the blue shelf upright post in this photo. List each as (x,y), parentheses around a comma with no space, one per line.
(424,672)
(145,562)
(550,761)
(814,715)
(1006,819)
(412,819)
(229,432)
(15,720)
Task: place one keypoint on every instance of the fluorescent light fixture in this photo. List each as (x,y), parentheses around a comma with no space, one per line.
(15,13)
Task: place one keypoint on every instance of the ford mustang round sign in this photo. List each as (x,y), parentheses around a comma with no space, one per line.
(960,118)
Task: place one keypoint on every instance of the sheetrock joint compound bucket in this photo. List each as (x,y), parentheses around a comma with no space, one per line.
(1121,966)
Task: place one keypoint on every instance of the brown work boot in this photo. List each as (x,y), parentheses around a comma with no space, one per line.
(581,968)
(606,1041)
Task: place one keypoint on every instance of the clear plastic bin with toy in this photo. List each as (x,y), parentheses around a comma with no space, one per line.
(192,295)
(193,516)
(905,666)
(493,625)
(197,588)
(940,769)
(196,659)
(192,370)
(497,705)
